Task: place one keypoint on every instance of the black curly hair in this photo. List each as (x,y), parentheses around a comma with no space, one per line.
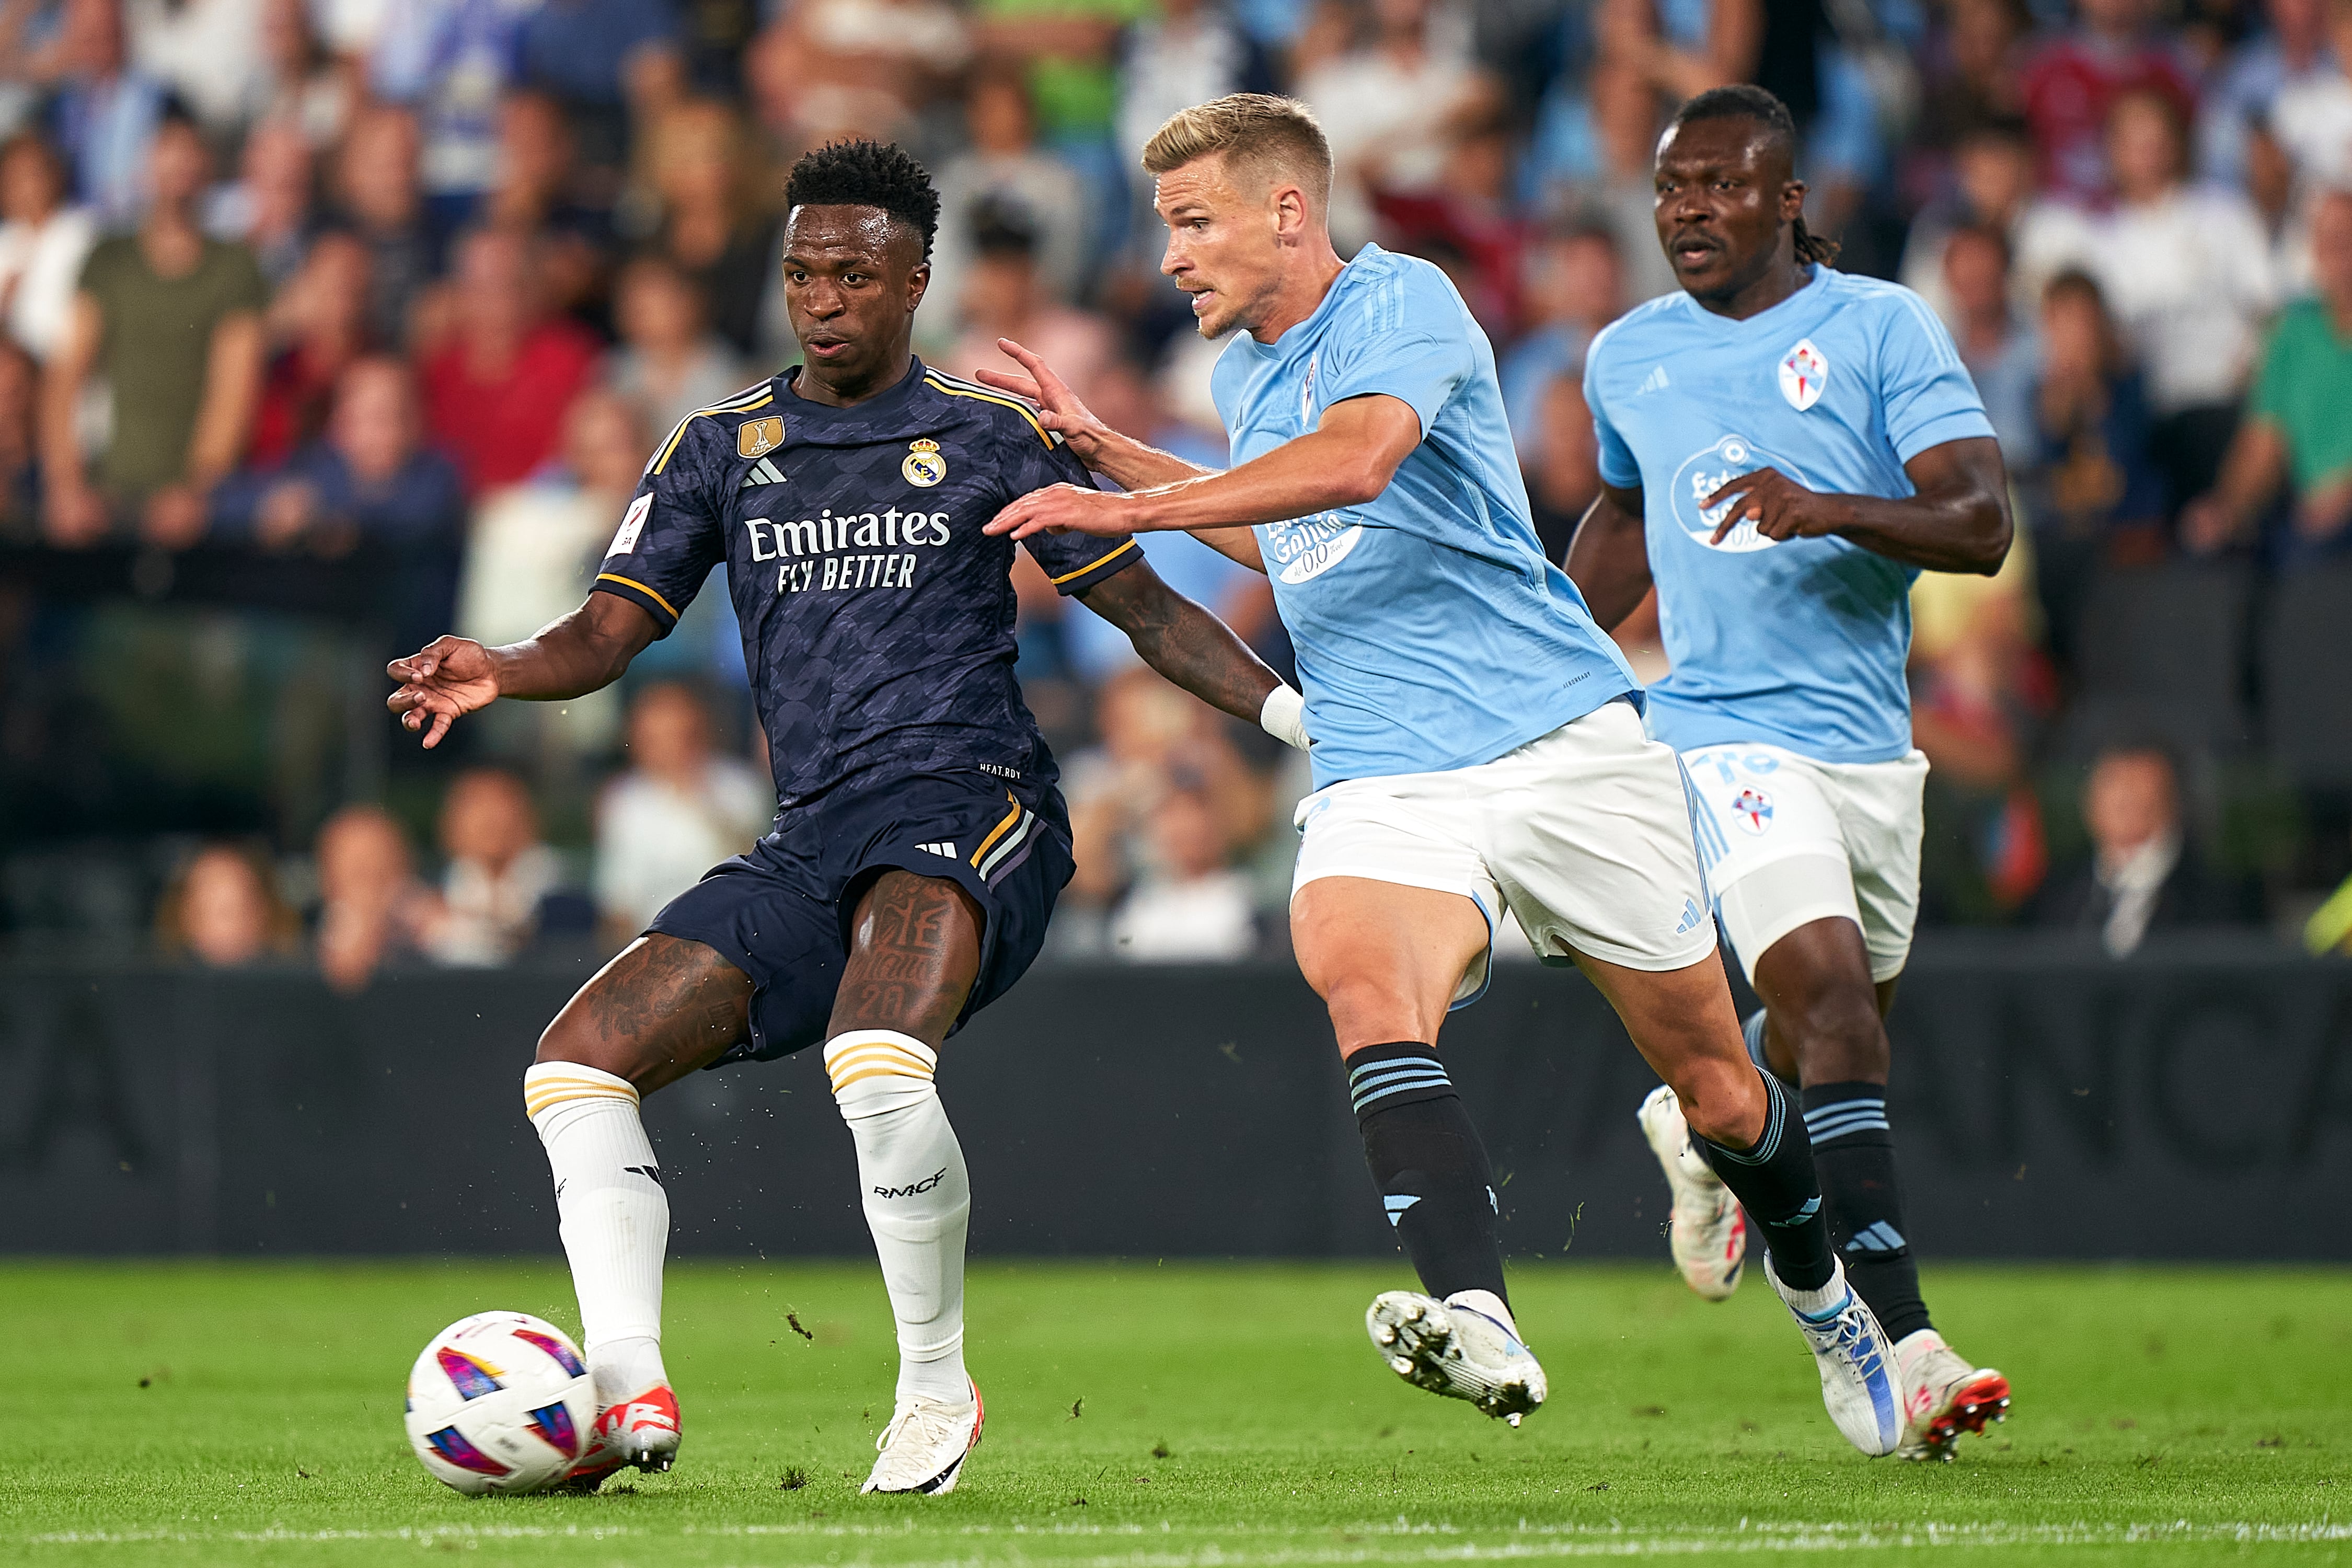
(1746,101)
(862,174)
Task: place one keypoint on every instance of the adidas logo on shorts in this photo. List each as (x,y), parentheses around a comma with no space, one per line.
(943,849)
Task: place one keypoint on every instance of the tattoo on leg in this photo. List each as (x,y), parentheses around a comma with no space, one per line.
(664,1008)
(914,955)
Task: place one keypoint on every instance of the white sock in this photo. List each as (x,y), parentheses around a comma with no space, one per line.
(614,1214)
(918,1198)
(1820,1304)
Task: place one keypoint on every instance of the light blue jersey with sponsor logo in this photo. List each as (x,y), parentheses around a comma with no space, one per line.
(1800,643)
(1430,632)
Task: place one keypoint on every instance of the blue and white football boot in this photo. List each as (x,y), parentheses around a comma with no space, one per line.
(1861,1384)
(1459,1348)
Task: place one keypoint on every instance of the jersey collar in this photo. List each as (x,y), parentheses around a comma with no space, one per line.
(1764,320)
(880,407)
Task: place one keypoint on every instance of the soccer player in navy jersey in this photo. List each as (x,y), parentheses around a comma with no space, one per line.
(921,841)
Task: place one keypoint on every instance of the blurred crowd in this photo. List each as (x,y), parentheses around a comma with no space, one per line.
(327,325)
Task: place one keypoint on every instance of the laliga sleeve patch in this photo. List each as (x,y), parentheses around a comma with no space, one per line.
(633,522)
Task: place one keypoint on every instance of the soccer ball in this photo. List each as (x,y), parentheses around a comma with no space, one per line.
(500,1402)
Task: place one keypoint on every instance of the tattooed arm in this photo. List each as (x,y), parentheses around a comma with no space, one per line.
(1191,647)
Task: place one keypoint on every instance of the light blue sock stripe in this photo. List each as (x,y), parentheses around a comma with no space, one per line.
(1380,1083)
(1846,1125)
(1776,1120)
(1400,1064)
(1390,1091)
(1840,1107)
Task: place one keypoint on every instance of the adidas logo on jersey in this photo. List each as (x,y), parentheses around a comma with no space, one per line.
(1690,917)
(943,849)
(764,472)
(1653,381)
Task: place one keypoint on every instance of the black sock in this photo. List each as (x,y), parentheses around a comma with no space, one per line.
(1773,1180)
(1752,1030)
(1854,1149)
(1431,1171)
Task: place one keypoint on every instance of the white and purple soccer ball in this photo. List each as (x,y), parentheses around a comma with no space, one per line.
(500,1402)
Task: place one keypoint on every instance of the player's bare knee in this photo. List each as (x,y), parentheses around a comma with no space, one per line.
(1722,1102)
(1837,1036)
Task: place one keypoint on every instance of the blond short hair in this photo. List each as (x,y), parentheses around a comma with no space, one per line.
(1261,136)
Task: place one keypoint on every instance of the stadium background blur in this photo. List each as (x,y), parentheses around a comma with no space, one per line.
(332,324)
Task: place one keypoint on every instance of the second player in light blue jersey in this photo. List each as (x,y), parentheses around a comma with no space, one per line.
(1476,741)
(1783,448)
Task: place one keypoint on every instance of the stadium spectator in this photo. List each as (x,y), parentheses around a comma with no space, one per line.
(2096,495)
(1564,477)
(499,874)
(1471,212)
(2296,427)
(384,205)
(601,59)
(43,243)
(1005,177)
(2240,94)
(449,61)
(533,548)
(318,327)
(268,205)
(1980,692)
(1385,108)
(496,391)
(2142,877)
(2313,114)
(304,86)
(1003,296)
(20,446)
(2002,355)
(1594,160)
(1992,187)
(540,193)
(825,66)
(222,911)
(711,226)
(171,321)
(207,52)
(682,807)
(2186,271)
(1972,80)
(1190,905)
(102,112)
(668,363)
(372,906)
(371,478)
(1184,52)
(2073,82)
(1575,287)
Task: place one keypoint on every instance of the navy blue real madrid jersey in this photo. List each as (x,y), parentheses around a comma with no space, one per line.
(877,618)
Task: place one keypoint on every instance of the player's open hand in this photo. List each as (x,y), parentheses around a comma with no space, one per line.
(1058,409)
(1778,506)
(1064,508)
(449,677)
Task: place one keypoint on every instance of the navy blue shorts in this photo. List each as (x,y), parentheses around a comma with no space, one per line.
(781,912)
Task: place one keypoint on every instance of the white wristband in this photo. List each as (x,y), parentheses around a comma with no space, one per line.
(1283,717)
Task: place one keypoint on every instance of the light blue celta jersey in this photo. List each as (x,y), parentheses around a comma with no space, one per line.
(1800,643)
(1430,632)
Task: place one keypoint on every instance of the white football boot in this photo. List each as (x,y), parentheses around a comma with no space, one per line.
(1708,1233)
(641,1431)
(1948,1396)
(1457,1350)
(1861,1385)
(923,1448)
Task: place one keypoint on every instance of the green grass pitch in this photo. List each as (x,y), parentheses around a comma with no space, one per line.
(1165,1416)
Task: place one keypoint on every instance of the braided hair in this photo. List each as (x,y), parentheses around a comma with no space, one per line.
(1747,101)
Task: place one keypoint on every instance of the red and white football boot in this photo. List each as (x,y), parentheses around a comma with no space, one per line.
(640,1431)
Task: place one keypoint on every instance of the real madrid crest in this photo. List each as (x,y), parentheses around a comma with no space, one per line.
(758,438)
(924,466)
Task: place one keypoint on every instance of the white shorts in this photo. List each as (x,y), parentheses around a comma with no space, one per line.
(1584,835)
(1787,840)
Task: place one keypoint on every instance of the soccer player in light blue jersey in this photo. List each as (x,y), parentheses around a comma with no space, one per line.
(1783,448)
(1476,741)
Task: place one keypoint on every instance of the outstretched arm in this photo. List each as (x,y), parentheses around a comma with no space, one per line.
(585,651)
(1196,650)
(1345,460)
(1129,463)
(1956,520)
(1608,558)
